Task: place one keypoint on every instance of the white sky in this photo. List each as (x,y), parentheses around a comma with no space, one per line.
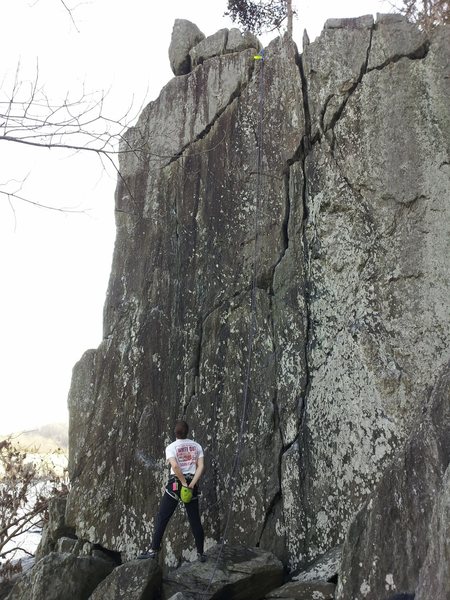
(55,267)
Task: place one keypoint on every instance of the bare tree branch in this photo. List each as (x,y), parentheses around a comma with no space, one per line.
(12,195)
(69,10)
(261,15)
(24,499)
(428,14)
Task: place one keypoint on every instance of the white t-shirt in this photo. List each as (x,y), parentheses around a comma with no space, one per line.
(186,452)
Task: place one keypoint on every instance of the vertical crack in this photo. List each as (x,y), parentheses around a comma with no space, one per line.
(270,509)
(237,93)
(299,156)
(337,115)
(306,147)
(287,213)
(195,369)
(276,411)
(302,433)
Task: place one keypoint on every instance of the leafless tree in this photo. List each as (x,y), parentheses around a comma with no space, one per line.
(26,488)
(427,13)
(76,122)
(261,15)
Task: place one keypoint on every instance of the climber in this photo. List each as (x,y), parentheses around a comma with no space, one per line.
(186,461)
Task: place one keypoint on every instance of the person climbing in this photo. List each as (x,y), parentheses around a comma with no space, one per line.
(186,459)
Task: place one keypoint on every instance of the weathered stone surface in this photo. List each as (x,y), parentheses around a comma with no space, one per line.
(7,584)
(394,39)
(333,65)
(304,590)
(61,577)
(348,320)
(184,113)
(241,40)
(336,62)
(81,404)
(213,45)
(185,35)
(54,528)
(230,573)
(390,18)
(364,22)
(66,545)
(5,587)
(392,537)
(195,216)
(325,568)
(377,235)
(434,577)
(223,41)
(137,580)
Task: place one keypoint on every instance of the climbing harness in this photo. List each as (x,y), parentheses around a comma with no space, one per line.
(252,326)
(177,491)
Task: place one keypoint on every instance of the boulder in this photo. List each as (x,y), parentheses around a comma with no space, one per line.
(241,40)
(136,580)
(434,576)
(398,541)
(364,22)
(390,18)
(304,590)
(61,577)
(214,45)
(185,35)
(67,545)
(230,573)
(7,582)
(316,582)
(223,41)
(6,585)
(55,527)
(325,568)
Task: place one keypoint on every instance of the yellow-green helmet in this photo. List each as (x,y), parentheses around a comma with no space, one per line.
(186,494)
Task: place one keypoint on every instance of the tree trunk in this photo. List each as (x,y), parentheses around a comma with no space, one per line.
(289,18)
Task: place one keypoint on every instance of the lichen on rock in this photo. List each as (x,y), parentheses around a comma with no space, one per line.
(291,212)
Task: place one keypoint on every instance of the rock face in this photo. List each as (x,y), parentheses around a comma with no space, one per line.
(434,576)
(326,568)
(185,35)
(138,580)
(189,47)
(399,541)
(377,186)
(303,590)
(55,528)
(230,573)
(295,207)
(61,577)
(223,42)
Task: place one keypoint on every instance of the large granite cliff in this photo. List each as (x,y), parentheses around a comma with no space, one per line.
(296,207)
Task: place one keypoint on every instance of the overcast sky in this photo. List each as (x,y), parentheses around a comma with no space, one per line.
(55,267)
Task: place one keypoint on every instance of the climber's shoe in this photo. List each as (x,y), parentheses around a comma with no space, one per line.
(201,557)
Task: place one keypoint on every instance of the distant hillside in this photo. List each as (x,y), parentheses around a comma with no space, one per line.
(45,439)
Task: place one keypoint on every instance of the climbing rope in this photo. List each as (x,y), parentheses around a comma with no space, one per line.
(252,325)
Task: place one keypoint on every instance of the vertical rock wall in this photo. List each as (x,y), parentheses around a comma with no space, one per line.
(350,290)
(377,237)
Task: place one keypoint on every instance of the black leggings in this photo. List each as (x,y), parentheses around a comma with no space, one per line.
(166,510)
